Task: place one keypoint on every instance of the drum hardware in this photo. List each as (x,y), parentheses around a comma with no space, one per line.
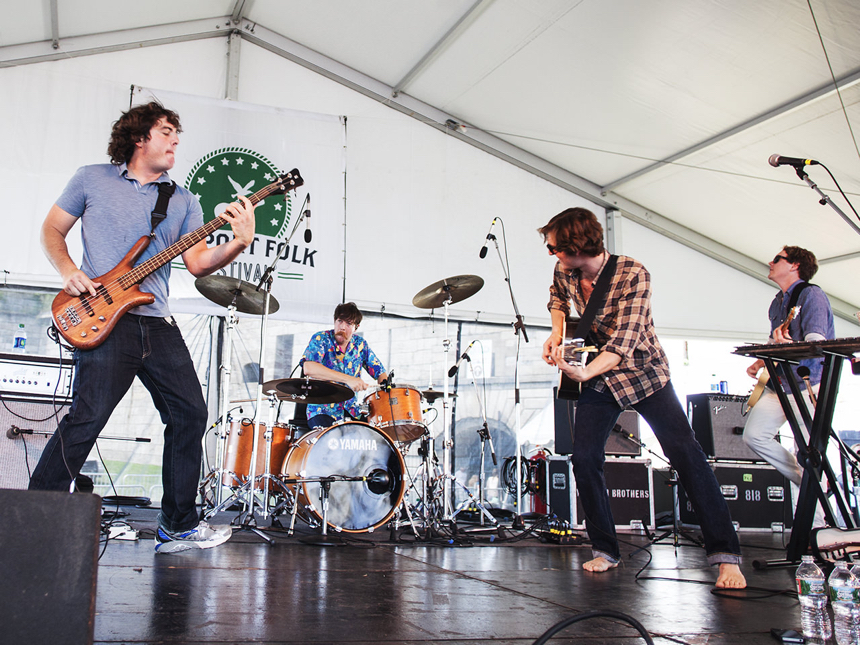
(231,293)
(484,434)
(254,300)
(445,293)
(520,331)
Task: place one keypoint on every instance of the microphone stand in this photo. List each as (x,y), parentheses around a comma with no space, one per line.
(484,434)
(824,198)
(676,532)
(520,331)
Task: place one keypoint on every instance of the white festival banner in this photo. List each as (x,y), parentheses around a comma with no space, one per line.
(228,149)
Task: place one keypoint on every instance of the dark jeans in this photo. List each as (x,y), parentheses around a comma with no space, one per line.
(152,350)
(596,415)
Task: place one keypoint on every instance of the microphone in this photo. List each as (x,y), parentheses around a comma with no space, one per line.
(778,160)
(803,372)
(490,236)
(307,214)
(464,355)
(14,432)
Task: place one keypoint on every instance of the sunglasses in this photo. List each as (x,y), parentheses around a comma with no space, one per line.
(553,249)
(777,258)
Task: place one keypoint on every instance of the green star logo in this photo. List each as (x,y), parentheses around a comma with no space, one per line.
(224,175)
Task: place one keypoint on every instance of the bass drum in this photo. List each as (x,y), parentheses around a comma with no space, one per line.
(347,449)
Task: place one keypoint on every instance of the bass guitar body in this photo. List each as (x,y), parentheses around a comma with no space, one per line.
(85,321)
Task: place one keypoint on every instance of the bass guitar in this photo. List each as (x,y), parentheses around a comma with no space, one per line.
(86,321)
(764,375)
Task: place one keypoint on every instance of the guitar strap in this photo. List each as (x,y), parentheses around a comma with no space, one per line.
(159,213)
(597,298)
(795,295)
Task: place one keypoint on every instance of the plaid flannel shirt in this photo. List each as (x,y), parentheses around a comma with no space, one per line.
(623,326)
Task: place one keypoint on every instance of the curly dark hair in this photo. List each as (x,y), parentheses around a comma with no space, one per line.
(133,126)
(576,230)
(348,312)
(807,265)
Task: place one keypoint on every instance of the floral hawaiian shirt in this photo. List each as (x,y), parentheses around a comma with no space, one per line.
(323,349)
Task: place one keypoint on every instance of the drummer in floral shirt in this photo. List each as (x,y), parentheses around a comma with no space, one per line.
(339,355)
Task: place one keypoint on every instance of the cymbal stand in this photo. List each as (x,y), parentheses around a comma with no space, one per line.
(520,331)
(247,518)
(223,419)
(446,423)
(484,434)
(266,477)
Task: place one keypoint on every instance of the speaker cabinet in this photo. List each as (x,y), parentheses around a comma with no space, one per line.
(50,556)
(21,449)
(718,422)
(617,445)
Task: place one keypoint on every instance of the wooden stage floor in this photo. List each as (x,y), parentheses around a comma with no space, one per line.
(377,591)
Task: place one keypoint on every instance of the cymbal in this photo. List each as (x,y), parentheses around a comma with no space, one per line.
(454,289)
(224,291)
(309,390)
(431,395)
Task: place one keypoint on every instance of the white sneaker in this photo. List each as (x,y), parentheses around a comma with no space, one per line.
(201,536)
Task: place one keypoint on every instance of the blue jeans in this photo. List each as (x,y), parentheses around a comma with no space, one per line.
(596,415)
(151,349)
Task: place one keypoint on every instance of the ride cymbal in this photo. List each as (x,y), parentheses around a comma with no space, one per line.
(226,291)
(451,290)
(309,390)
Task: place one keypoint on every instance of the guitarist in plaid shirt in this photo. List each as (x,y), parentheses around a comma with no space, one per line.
(630,370)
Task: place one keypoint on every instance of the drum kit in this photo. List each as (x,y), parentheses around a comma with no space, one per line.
(350,477)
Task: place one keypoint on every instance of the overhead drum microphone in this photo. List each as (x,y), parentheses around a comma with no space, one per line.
(307,215)
(489,237)
(778,160)
(463,356)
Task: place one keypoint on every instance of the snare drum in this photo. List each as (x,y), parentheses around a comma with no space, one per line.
(240,445)
(350,449)
(396,412)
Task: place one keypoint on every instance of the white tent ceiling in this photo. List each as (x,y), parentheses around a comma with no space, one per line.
(665,110)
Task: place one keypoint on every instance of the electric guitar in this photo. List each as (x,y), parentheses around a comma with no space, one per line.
(86,321)
(575,352)
(764,375)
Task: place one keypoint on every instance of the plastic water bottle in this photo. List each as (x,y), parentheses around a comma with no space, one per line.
(19,343)
(812,594)
(845,598)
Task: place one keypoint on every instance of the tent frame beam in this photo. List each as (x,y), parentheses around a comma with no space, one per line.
(449,124)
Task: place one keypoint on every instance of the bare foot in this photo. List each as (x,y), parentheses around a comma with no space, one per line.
(731,577)
(599,565)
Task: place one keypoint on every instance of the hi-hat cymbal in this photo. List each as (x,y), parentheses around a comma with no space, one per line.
(451,290)
(431,395)
(226,291)
(309,390)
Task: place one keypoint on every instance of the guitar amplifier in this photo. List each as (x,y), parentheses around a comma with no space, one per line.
(718,423)
(617,445)
(759,498)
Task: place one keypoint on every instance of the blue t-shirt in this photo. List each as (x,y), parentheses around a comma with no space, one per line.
(323,349)
(815,317)
(114,210)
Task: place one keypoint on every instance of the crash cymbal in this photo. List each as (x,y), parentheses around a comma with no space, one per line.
(224,291)
(452,289)
(309,390)
(431,395)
